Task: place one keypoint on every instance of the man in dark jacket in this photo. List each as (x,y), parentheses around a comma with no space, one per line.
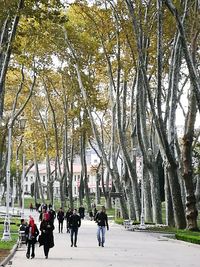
(74,224)
(102,222)
(60,217)
(67,216)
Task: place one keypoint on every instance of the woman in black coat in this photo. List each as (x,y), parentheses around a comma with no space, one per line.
(46,238)
(31,233)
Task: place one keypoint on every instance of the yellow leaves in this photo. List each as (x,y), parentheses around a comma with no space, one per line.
(13,84)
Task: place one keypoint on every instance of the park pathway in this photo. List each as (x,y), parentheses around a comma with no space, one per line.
(122,249)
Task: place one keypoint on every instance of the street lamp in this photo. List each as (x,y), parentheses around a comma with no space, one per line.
(6,233)
(78,185)
(141,167)
(22,124)
(142,222)
(17,176)
(94,168)
(22,184)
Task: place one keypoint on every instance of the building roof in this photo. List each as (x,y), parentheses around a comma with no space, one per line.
(42,168)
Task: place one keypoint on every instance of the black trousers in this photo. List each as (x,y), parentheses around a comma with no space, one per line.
(31,244)
(60,226)
(74,232)
(46,249)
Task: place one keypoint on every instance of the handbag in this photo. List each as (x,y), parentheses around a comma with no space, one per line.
(41,240)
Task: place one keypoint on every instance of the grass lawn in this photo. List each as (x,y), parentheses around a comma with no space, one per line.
(188,236)
(6,246)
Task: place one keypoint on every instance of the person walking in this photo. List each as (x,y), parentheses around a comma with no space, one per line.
(31,233)
(74,224)
(31,207)
(60,217)
(52,214)
(22,232)
(43,211)
(102,222)
(91,215)
(47,239)
(95,211)
(81,212)
(68,214)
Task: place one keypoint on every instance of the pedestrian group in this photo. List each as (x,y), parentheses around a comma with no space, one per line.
(73,221)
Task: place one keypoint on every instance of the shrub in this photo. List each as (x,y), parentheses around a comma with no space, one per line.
(188,236)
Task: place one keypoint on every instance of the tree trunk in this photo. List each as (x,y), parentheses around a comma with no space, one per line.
(129,192)
(197,191)
(84,170)
(194,76)
(147,196)
(155,195)
(168,201)
(38,176)
(114,175)
(179,215)
(7,53)
(191,210)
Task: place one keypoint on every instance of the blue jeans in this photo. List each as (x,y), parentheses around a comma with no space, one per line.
(101,234)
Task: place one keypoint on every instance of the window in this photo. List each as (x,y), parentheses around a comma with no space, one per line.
(26,188)
(31,178)
(26,179)
(74,190)
(78,177)
(43,178)
(57,190)
(88,178)
(75,178)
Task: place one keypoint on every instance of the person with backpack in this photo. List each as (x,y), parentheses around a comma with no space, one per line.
(102,222)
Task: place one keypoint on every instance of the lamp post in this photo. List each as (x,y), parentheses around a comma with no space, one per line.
(141,168)
(6,233)
(78,185)
(94,169)
(22,124)
(134,154)
(142,222)
(13,196)
(17,178)
(22,184)
(97,188)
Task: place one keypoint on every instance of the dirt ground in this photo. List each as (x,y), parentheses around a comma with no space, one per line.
(3,254)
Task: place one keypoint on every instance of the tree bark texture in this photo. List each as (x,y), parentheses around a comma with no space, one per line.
(191,210)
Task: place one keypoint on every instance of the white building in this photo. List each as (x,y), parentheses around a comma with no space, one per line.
(92,160)
(30,179)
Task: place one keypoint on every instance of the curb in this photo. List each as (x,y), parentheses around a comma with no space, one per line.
(180,241)
(12,252)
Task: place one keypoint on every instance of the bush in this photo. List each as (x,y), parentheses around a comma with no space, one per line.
(119,220)
(188,236)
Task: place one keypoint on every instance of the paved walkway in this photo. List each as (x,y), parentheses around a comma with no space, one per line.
(122,249)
